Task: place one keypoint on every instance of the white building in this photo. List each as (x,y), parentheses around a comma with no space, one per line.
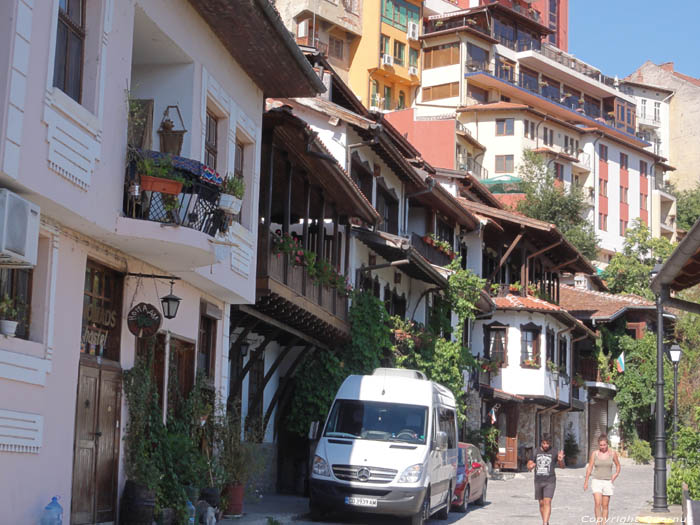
(97,245)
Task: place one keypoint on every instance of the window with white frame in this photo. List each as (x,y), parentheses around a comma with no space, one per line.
(70,44)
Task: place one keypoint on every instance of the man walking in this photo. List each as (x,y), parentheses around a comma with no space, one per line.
(545,477)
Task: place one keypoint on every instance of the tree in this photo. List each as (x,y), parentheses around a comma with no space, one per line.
(688,207)
(549,200)
(629,271)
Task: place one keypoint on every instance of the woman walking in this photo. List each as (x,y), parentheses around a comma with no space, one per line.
(600,464)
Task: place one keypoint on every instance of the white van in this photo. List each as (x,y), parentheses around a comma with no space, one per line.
(389,446)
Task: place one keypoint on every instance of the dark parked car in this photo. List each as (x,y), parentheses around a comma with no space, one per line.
(472,478)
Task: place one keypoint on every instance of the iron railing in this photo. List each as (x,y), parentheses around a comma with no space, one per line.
(196,206)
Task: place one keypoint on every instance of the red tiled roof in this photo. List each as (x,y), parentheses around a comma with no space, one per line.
(509,200)
(590,304)
(518,302)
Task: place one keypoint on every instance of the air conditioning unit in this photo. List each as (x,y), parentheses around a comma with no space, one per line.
(387,60)
(412,32)
(19,230)
(413,70)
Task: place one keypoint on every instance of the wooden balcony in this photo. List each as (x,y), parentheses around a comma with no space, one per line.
(431,253)
(284,289)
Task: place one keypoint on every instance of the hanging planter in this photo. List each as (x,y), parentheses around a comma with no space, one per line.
(233,190)
(171,138)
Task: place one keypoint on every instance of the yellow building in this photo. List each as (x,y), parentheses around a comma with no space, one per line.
(385,60)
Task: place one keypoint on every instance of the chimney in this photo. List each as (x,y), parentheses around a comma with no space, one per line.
(667,66)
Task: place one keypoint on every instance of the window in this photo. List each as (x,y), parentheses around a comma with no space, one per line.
(504,163)
(550,88)
(374,96)
(643,109)
(603,222)
(623,194)
(657,111)
(571,97)
(441,91)
(387,97)
(398,13)
(412,57)
(477,58)
(603,152)
(505,69)
(438,56)
(530,345)
(529,79)
(496,342)
(210,142)
(603,187)
(335,47)
(447,423)
(623,227)
(102,306)
(70,44)
(384,45)
(399,53)
(445,232)
(553,21)
(402,100)
(505,126)
(559,171)
(623,161)
(549,341)
(478,94)
(563,354)
(206,351)
(642,168)
(526,128)
(548,136)
(17,285)
(388,209)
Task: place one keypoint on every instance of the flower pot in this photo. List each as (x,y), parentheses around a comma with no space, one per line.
(167,186)
(234,497)
(230,204)
(8,328)
(137,504)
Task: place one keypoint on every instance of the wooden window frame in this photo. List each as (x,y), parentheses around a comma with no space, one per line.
(603,187)
(504,159)
(211,148)
(79,32)
(503,125)
(530,328)
(9,285)
(488,328)
(602,221)
(603,152)
(399,53)
(550,341)
(335,44)
(624,161)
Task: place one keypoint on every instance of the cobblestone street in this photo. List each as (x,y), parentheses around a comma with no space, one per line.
(512,501)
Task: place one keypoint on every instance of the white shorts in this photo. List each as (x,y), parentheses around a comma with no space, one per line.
(602,486)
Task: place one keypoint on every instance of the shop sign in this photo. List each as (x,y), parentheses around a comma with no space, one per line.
(144,320)
(97,323)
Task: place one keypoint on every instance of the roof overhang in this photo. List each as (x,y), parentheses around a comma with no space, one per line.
(394,248)
(682,269)
(489,392)
(255,36)
(551,107)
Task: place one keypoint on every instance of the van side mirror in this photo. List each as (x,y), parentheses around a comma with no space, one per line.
(441,441)
(313,430)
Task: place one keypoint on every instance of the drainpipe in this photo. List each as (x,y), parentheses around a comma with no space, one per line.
(537,132)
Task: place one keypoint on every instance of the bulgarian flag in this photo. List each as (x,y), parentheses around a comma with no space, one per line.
(620,362)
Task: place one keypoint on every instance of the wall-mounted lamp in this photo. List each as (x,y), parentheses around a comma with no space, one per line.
(170,303)
(244,349)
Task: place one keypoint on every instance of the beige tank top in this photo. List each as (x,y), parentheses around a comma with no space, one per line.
(602,467)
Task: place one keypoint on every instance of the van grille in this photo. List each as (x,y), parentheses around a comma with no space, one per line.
(376,474)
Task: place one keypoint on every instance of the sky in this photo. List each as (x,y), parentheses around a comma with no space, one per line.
(618,36)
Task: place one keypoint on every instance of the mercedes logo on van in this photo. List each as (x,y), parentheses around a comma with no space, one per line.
(363,474)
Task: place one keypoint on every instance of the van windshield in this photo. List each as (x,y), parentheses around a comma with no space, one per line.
(377,421)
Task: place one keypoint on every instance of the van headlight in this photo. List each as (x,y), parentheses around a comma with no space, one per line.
(412,474)
(320,467)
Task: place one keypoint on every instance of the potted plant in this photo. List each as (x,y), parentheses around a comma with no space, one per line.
(577,381)
(232,191)
(9,315)
(158,175)
(530,363)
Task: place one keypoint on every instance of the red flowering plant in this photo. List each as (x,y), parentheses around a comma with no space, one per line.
(492,366)
(285,244)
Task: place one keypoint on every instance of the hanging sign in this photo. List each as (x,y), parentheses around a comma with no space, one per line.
(143,320)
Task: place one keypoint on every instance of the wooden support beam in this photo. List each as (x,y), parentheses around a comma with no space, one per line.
(288,198)
(564,264)
(545,250)
(236,345)
(506,255)
(271,321)
(257,399)
(307,212)
(254,356)
(282,388)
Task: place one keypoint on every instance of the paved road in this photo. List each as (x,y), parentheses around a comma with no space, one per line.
(511,501)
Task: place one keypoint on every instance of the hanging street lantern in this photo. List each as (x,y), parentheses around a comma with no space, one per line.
(170,303)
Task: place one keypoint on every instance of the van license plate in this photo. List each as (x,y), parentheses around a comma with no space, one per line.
(360,502)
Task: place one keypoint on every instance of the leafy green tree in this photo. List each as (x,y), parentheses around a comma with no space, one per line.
(629,271)
(549,200)
(688,207)
(635,392)
(686,466)
(688,335)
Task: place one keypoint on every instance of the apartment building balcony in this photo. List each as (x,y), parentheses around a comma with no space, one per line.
(644,119)
(316,43)
(551,61)
(466,163)
(345,14)
(165,227)
(430,251)
(583,161)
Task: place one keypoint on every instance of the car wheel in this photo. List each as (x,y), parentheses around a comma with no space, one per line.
(423,514)
(443,514)
(462,507)
(482,499)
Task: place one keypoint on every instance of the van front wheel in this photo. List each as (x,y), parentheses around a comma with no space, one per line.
(423,514)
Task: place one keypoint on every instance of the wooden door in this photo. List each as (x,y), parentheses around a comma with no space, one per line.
(507,457)
(96,450)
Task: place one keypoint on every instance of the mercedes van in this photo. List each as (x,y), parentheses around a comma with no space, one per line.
(389,446)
